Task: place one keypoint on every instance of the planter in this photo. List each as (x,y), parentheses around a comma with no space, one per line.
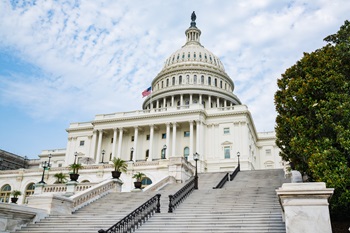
(116,174)
(138,184)
(73,177)
(14,200)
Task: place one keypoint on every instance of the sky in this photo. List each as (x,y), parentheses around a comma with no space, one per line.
(66,61)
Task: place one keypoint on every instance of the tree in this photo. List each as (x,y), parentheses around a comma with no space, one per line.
(313,121)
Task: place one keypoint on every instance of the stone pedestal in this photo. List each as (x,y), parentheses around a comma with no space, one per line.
(71,188)
(52,203)
(306,207)
(39,188)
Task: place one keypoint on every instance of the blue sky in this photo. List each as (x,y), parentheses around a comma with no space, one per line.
(66,61)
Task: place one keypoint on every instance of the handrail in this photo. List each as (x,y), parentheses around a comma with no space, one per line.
(234,173)
(137,217)
(179,196)
(222,182)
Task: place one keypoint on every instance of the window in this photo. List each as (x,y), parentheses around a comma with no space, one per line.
(187,79)
(220,84)
(186,133)
(131,154)
(163,153)
(173,82)
(215,82)
(29,191)
(60,165)
(268,152)
(111,140)
(202,79)
(162,84)
(132,138)
(195,79)
(5,193)
(186,152)
(147,137)
(227,152)
(163,135)
(167,82)
(82,143)
(226,130)
(180,79)
(147,154)
(145,182)
(209,81)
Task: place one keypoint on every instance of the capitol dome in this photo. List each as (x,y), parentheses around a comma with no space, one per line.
(192,75)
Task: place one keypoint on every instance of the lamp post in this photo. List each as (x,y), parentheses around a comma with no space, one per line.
(164,149)
(239,166)
(196,157)
(45,165)
(103,155)
(132,153)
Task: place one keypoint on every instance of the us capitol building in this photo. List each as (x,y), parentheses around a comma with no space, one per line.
(192,109)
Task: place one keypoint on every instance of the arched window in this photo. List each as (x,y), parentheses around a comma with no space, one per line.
(200,56)
(131,154)
(202,79)
(29,191)
(220,83)
(162,84)
(85,181)
(209,81)
(187,79)
(163,153)
(180,79)
(194,55)
(195,79)
(5,193)
(186,152)
(173,83)
(189,55)
(145,182)
(147,154)
(215,82)
(167,82)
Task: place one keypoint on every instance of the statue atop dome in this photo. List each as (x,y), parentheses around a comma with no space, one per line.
(193,18)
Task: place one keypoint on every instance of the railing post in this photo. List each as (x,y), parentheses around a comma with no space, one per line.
(158,203)
(170,210)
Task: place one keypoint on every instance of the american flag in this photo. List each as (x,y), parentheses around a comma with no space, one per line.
(146,92)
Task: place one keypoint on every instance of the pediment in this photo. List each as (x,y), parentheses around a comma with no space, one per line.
(226,143)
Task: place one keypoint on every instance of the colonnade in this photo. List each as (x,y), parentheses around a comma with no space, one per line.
(187,99)
(173,148)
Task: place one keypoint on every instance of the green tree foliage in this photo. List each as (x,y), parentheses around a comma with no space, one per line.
(313,121)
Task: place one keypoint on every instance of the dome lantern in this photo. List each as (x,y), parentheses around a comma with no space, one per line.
(193,33)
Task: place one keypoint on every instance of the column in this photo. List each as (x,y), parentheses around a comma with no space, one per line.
(99,145)
(114,141)
(190,157)
(167,140)
(120,142)
(191,99)
(217,102)
(135,144)
(181,99)
(198,129)
(150,152)
(157,104)
(209,100)
(174,140)
(164,102)
(224,103)
(172,101)
(93,144)
(200,99)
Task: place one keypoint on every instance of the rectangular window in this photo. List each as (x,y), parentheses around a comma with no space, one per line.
(132,138)
(226,130)
(268,152)
(227,152)
(163,135)
(82,143)
(186,133)
(147,137)
(111,140)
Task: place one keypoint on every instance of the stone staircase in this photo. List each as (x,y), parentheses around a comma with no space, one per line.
(246,204)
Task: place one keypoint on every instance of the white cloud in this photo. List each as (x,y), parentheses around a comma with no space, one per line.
(94,55)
